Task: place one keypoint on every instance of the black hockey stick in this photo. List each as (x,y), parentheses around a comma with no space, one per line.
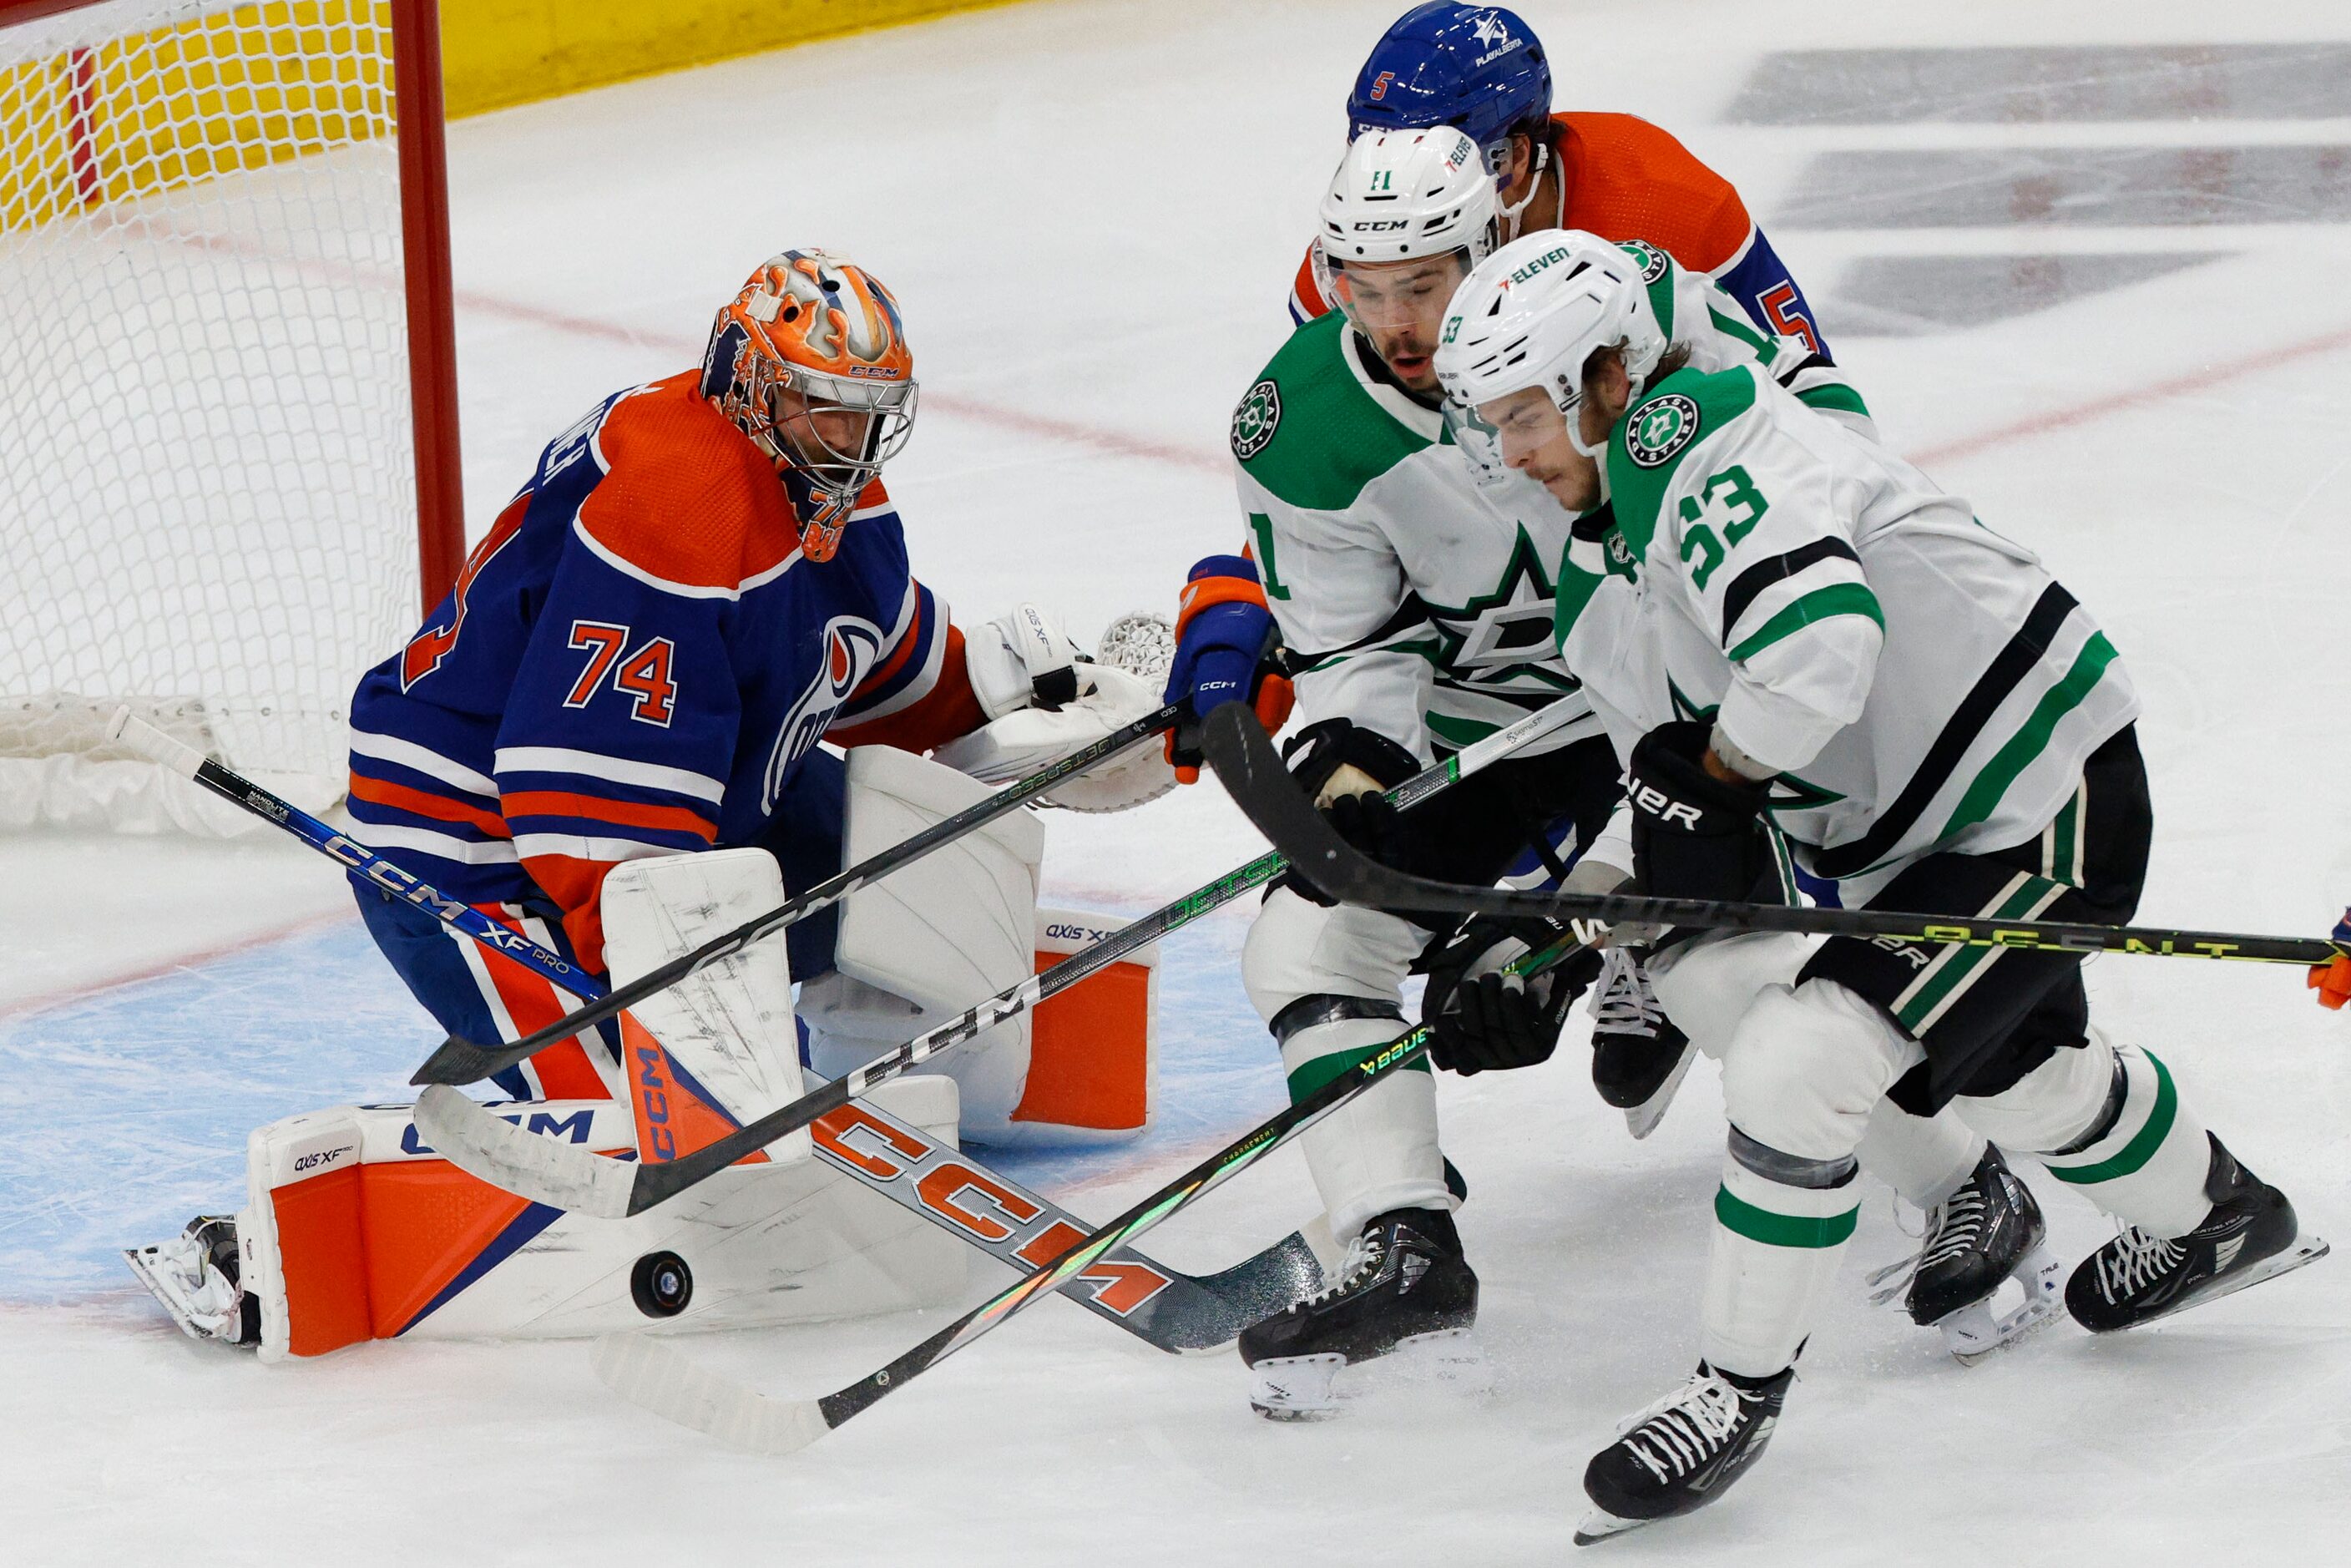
(647,1371)
(1236,746)
(1162,1306)
(549,1171)
(464,1062)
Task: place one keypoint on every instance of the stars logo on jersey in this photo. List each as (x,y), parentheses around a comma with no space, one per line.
(1255,421)
(1505,634)
(1653,260)
(1660,428)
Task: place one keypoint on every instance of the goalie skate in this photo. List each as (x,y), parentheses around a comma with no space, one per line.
(194,1275)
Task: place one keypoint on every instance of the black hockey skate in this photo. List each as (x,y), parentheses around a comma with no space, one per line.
(1678,1455)
(2250,1235)
(195,1276)
(1985,1234)
(1405,1285)
(1638,1057)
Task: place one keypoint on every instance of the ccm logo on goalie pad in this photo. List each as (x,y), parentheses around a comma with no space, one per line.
(1003,1222)
(1664,807)
(579,1127)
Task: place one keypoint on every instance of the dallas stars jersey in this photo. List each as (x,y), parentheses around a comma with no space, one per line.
(1921,683)
(1416,599)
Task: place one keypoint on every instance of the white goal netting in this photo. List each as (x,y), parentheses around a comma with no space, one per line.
(207,501)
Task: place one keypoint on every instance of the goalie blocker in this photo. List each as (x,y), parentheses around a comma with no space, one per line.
(354,1227)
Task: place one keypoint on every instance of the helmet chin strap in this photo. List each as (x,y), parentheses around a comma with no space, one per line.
(1509,213)
(1598,451)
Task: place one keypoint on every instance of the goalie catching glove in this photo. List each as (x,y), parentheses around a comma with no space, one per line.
(1044,699)
(1226,651)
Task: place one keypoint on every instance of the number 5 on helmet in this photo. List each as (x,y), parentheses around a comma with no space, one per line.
(1227,649)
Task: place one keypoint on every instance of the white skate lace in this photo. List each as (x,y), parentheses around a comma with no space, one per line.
(1953,1226)
(1681,1431)
(1621,1002)
(1365,1255)
(1949,1229)
(2139,1261)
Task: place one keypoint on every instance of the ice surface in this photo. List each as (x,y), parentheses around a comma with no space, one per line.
(1090,212)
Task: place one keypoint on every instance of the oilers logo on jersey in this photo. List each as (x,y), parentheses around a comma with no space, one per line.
(851,648)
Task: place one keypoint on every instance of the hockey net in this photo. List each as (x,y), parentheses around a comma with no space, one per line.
(208,497)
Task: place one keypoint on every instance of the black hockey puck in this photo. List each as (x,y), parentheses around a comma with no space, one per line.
(660,1284)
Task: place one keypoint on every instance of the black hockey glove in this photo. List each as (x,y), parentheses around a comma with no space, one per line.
(1694,835)
(1480,1019)
(1334,762)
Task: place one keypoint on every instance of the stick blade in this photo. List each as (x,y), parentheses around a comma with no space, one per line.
(1256,1288)
(457,1060)
(545,1170)
(651,1374)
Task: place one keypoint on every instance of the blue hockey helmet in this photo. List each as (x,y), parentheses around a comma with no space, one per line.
(1480,68)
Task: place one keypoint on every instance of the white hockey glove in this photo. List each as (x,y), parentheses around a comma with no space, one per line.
(1033,732)
(1021,660)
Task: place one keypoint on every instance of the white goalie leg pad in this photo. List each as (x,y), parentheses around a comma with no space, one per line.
(719,1048)
(1380,1150)
(933,939)
(2144,1160)
(354,1229)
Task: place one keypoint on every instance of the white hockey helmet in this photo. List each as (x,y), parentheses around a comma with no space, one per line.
(1535,310)
(1401,195)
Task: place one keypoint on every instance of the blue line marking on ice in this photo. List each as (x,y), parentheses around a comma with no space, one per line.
(125,1113)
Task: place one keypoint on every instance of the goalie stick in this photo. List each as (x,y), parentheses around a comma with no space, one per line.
(547,1171)
(464,1062)
(1236,745)
(656,1376)
(1162,1306)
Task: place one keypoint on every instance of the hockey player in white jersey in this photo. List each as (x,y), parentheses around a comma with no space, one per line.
(1414,604)
(1774,618)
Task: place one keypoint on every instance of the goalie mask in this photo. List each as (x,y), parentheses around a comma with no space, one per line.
(811,361)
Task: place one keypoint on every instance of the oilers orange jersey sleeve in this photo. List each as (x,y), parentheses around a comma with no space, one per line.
(635,660)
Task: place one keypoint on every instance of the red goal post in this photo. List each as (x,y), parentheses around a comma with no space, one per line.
(227,373)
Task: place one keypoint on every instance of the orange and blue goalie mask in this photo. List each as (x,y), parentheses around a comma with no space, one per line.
(811,361)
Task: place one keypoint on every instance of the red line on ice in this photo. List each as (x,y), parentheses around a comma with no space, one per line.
(1115,444)
(2097,408)
(159,967)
